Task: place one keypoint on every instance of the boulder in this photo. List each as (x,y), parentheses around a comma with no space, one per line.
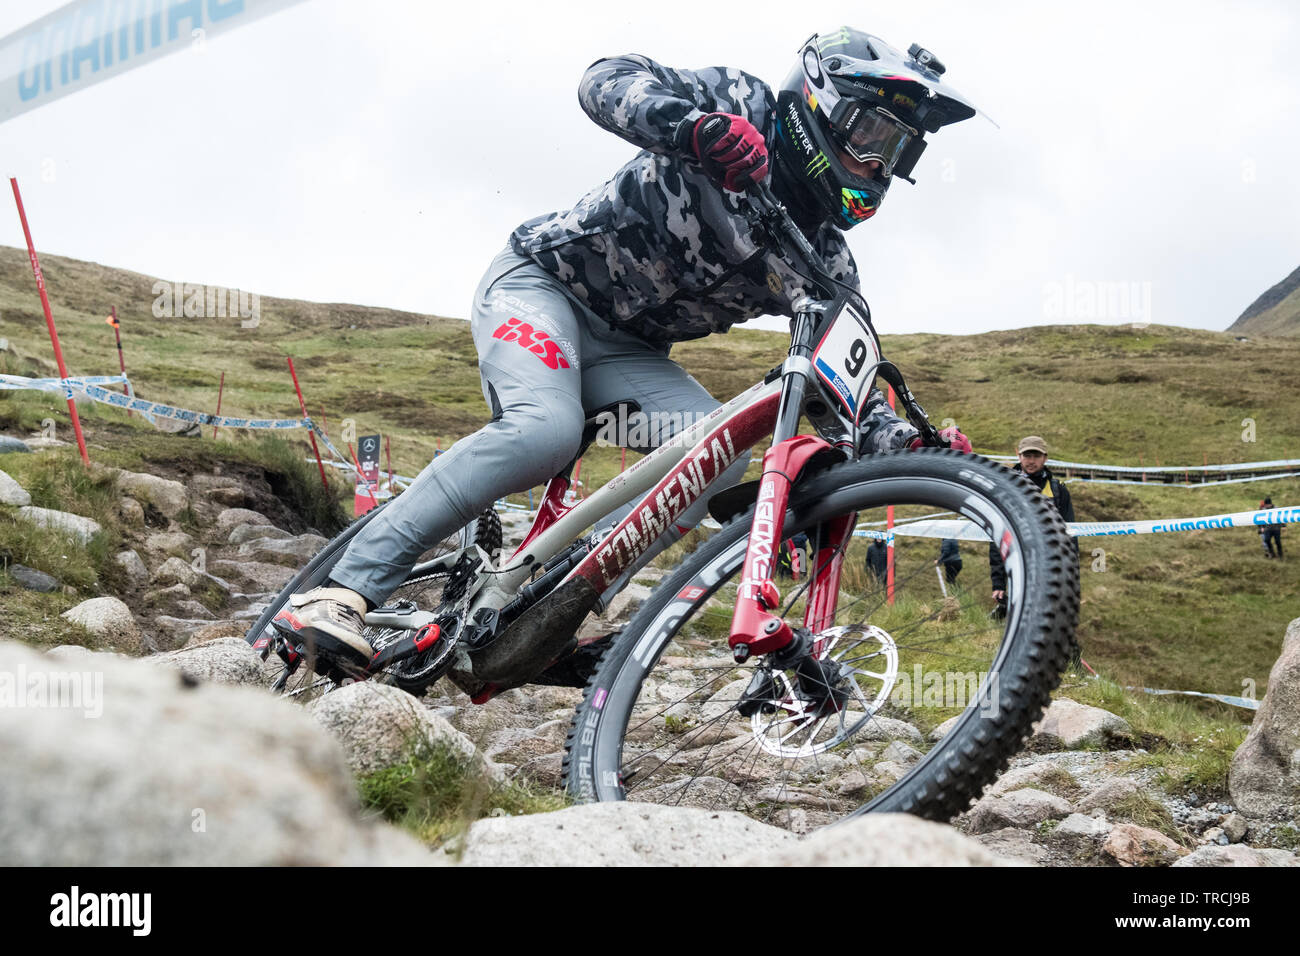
(878,840)
(1131,845)
(1113,791)
(176,571)
(75,526)
(1264,778)
(231,518)
(176,775)
(9,444)
(33,580)
(261,575)
(170,542)
(108,619)
(1074,726)
(1014,845)
(131,562)
(226,660)
(131,511)
(1238,855)
(1019,808)
(295,551)
(169,497)
(942,730)
(380,725)
(1080,827)
(12,493)
(250,532)
(888,728)
(619,834)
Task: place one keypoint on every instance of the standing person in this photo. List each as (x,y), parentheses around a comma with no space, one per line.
(580,310)
(878,559)
(1032,452)
(950,558)
(1270,535)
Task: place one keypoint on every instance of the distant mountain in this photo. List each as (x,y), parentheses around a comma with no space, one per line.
(1276,312)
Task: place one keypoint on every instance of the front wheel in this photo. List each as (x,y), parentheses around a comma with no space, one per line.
(669,717)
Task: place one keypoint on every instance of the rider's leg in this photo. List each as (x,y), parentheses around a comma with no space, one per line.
(620,368)
(530,371)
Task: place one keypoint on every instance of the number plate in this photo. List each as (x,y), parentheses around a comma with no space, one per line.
(846,359)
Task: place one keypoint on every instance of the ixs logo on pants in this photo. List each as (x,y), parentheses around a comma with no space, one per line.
(536,341)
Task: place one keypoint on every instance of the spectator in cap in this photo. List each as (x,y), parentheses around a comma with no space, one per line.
(1270,534)
(1033,465)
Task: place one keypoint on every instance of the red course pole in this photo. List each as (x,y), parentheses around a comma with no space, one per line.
(121,361)
(49,319)
(310,434)
(220,388)
(622,463)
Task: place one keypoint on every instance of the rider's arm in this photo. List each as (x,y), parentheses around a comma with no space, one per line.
(656,107)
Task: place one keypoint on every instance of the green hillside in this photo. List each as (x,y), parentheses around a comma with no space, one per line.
(1199,611)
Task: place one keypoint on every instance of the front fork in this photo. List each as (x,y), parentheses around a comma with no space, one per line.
(754,629)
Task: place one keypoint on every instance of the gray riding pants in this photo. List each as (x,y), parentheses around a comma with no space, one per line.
(547,363)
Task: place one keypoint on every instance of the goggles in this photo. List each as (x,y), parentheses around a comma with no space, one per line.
(870,133)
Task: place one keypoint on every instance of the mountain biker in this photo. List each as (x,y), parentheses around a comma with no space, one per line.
(581,308)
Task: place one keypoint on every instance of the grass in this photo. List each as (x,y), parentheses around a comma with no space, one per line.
(1189,742)
(436,793)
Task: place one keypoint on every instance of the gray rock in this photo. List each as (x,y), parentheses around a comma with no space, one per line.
(1264,778)
(1012,844)
(1037,775)
(131,511)
(888,728)
(75,526)
(9,444)
(261,575)
(1073,726)
(231,518)
(296,551)
(12,493)
(619,834)
(33,580)
(1113,791)
(1131,845)
(176,571)
(169,497)
(170,542)
(942,730)
(108,619)
(900,752)
(227,660)
(380,725)
(1019,808)
(877,840)
(251,532)
(1080,827)
(133,565)
(1235,826)
(178,776)
(1238,855)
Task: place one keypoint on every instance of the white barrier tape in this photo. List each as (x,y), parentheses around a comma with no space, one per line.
(1181,484)
(1161,469)
(1246,702)
(58,384)
(964,530)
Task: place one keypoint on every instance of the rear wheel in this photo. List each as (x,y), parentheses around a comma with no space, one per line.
(303,677)
(669,717)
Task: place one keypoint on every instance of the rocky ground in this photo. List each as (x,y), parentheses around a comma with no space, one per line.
(188,733)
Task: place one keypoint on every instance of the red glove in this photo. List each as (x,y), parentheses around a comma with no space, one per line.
(731,150)
(954,438)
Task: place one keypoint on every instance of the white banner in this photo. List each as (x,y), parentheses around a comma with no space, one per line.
(91,40)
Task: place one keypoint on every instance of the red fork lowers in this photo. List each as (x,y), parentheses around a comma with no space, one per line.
(753,629)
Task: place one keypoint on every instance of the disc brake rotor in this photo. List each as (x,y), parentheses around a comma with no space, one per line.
(791,723)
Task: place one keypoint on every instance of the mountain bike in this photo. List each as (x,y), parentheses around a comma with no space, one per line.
(720,692)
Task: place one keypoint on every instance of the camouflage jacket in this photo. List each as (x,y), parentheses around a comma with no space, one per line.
(661,250)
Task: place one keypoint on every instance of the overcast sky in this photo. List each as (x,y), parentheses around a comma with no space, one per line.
(381,151)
